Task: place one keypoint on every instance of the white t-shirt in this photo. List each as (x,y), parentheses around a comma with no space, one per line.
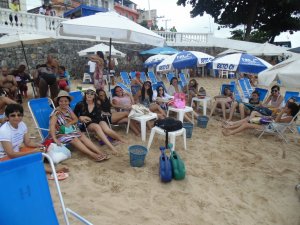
(92,66)
(13,135)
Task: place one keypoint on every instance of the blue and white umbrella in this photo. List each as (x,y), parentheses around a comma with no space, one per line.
(154,60)
(184,59)
(241,62)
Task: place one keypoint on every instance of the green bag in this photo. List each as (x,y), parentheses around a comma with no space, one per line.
(178,167)
(67,130)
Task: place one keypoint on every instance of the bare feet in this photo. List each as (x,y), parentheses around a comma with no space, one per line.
(62,168)
(225,132)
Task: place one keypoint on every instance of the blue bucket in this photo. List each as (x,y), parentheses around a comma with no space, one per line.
(137,154)
(188,128)
(202,121)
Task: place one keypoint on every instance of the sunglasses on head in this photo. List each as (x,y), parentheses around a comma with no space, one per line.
(16,115)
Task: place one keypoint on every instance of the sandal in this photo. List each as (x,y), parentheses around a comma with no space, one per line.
(60,176)
(103,157)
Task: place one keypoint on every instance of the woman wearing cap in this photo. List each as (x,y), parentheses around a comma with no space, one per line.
(64,116)
(90,113)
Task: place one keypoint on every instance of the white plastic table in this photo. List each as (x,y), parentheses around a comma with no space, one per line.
(204,102)
(143,120)
(181,112)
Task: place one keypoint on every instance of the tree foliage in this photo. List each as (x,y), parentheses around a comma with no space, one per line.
(269,16)
(255,36)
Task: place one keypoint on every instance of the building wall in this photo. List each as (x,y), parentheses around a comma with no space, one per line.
(130,13)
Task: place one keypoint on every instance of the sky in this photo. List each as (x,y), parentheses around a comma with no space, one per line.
(179,17)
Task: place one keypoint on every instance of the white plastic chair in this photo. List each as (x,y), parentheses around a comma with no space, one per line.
(172,135)
(87,79)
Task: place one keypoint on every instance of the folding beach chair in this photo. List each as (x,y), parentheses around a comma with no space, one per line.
(262,93)
(248,85)
(40,109)
(244,88)
(236,91)
(124,87)
(159,83)
(77,97)
(170,76)
(143,77)
(152,77)
(132,75)
(125,78)
(25,195)
(289,94)
(279,129)
(230,86)
(183,79)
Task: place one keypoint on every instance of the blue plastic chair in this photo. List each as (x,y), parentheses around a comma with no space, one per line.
(40,109)
(159,83)
(248,85)
(125,78)
(143,77)
(289,94)
(124,87)
(262,93)
(230,86)
(244,88)
(236,92)
(183,79)
(170,76)
(152,77)
(132,75)
(77,97)
(25,195)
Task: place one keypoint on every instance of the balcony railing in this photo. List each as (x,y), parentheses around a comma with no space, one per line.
(12,22)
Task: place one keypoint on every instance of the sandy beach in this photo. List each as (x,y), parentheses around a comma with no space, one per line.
(236,180)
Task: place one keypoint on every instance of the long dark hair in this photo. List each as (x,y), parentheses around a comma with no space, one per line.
(157,89)
(294,107)
(149,92)
(114,90)
(106,99)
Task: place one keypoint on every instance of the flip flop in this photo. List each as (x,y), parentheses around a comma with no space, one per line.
(103,158)
(60,176)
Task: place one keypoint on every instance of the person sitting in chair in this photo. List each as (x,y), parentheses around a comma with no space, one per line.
(286,115)
(223,101)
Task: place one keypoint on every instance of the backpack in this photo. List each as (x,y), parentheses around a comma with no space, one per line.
(168,125)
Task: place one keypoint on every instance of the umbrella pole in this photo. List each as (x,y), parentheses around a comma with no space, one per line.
(109,60)
(32,85)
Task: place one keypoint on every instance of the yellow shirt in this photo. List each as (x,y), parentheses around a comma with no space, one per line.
(14,7)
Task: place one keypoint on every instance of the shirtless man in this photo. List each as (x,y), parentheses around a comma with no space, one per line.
(8,82)
(4,101)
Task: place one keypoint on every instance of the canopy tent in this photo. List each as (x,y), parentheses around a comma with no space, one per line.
(160,50)
(287,72)
(103,48)
(228,51)
(184,59)
(295,50)
(268,49)
(241,62)
(84,10)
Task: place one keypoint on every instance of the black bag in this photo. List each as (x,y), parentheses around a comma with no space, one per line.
(168,124)
(263,110)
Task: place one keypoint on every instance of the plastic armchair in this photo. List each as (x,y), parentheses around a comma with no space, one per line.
(77,97)
(262,93)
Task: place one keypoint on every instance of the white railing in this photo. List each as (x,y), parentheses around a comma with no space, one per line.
(12,22)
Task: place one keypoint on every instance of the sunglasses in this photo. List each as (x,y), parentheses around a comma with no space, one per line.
(274,91)
(147,84)
(90,93)
(16,115)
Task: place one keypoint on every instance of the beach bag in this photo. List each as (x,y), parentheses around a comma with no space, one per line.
(202,93)
(178,167)
(165,167)
(249,106)
(179,100)
(58,153)
(263,110)
(266,120)
(138,110)
(67,130)
(168,125)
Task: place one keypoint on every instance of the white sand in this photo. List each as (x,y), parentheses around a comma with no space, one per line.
(237,180)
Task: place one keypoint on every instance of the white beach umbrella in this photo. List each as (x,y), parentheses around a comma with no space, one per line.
(154,60)
(184,59)
(268,49)
(110,25)
(287,72)
(103,48)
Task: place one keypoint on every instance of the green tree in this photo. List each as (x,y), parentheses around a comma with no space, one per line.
(255,36)
(269,16)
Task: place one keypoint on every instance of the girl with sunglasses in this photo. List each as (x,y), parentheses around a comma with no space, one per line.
(89,112)
(275,99)
(191,89)
(161,97)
